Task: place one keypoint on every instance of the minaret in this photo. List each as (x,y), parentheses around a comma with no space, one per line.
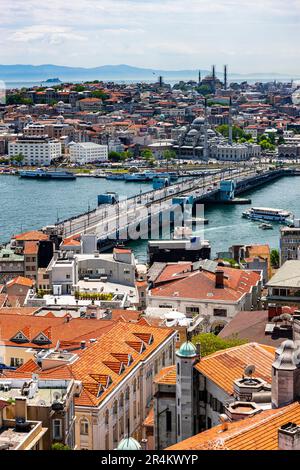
(199,77)
(186,358)
(205,131)
(230,123)
(225,77)
(214,77)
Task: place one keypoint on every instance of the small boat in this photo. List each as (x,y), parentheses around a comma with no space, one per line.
(266,226)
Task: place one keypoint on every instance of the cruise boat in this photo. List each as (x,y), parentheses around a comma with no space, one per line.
(47,174)
(265,213)
(116,176)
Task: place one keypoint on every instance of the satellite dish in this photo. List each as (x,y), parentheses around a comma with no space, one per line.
(56,396)
(249,370)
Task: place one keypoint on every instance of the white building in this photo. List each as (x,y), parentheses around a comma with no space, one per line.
(37,151)
(88,152)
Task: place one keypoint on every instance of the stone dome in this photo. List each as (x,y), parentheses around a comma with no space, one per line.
(128,443)
(187,349)
(198,121)
(192,133)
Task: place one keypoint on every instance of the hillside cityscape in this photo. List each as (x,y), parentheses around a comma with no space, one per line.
(149,256)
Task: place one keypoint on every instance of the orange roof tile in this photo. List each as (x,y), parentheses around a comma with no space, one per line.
(95,360)
(223,367)
(33,235)
(200,285)
(167,376)
(22,281)
(257,433)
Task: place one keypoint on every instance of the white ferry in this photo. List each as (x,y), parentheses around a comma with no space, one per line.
(265,213)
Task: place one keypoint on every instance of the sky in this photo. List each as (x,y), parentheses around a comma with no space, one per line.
(251,36)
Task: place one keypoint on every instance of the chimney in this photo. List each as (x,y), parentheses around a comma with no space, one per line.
(82,344)
(272,311)
(219,279)
(224,421)
(289,437)
(21,408)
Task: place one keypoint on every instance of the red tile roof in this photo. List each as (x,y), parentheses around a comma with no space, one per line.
(257,433)
(200,285)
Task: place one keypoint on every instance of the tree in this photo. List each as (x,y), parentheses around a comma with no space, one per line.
(79,88)
(211,343)
(169,155)
(60,446)
(204,90)
(280,140)
(275,258)
(17,159)
(237,132)
(147,154)
(99,94)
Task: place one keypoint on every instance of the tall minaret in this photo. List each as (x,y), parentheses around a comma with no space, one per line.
(214,77)
(225,77)
(199,77)
(205,131)
(230,122)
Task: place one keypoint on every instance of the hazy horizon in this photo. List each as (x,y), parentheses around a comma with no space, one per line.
(252,38)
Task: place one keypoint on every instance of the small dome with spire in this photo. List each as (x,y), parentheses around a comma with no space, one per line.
(129,443)
(187,349)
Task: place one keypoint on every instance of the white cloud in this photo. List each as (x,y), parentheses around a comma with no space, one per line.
(173,34)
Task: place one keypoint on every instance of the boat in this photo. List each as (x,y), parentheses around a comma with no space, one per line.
(266,226)
(269,214)
(116,176)
(47,174)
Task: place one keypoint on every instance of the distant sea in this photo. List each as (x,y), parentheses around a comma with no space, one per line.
(30,84)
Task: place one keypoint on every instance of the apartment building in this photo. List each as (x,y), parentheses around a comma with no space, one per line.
(116,373)
(88,152)
(218,293)
(289,243)
(49,402)
(37,151)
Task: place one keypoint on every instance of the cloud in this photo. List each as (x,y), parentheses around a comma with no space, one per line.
(155,33)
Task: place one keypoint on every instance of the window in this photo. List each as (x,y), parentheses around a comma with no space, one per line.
(16,362)
(57,429)
(106,417)
(220,312)
(192,310)
(177,337)
(84,427)
(178,368)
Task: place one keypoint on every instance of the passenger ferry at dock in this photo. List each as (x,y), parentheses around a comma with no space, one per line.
(47,174)
(265,213)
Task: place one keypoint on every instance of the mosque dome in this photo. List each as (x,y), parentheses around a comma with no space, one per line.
(187,349)
(192,133)
(128,443)
(198,121)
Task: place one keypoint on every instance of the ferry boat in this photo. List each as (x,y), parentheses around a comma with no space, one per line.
(47,174)
(265,213)
(116,176)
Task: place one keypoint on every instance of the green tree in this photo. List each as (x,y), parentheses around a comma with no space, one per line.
(280,140)
(275,258)
(237,132)
(79,88)
(211,343)
(204,90)
(17,159)
(169,155)
(99,94)
(147,154)
(60,446)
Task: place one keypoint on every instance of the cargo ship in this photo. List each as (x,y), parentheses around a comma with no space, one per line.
(47,174)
